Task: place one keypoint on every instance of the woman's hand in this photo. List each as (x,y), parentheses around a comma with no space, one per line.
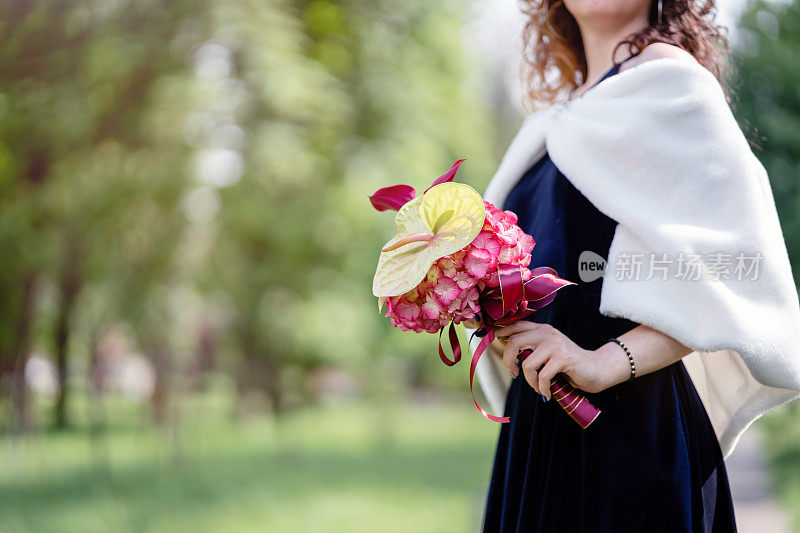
(554,352)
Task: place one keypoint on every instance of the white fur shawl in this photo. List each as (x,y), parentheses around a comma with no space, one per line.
(657,148)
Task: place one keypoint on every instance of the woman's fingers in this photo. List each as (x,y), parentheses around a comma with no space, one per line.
(516,343)
(510,353)
(546,375)
(517,327)
(532,364)
(547,358)
(528,338)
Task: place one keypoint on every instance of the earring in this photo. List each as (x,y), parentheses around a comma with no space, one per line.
(660,9)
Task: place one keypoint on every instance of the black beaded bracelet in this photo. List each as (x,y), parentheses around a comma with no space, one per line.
(630,357)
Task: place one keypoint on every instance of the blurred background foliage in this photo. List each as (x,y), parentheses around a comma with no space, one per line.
(768,88)
(191,179)
(188,337)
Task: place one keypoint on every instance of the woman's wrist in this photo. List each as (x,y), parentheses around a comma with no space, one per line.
(614,363)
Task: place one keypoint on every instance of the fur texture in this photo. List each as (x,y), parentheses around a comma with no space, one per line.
(657,148)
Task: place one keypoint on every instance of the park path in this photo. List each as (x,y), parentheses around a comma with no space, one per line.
(755,503)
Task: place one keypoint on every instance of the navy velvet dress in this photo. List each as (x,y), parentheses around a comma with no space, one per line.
(650,462)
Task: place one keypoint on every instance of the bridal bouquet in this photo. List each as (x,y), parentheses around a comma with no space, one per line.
(456,257)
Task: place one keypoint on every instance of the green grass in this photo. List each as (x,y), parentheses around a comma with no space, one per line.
(356,467)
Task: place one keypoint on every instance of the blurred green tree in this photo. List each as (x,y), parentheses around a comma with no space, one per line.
(334,99)
(219,153)
(767,81)
(92,161)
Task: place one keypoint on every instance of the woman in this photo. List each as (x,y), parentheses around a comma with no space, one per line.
(652,460)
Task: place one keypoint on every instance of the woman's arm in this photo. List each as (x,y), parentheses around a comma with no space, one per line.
(590,370)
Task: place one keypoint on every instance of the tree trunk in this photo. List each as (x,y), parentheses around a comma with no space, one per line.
(96,381)
(272,383)
(22,347)
(70,285)
(261,370)
(159,401)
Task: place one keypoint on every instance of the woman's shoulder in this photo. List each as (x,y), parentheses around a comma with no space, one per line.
(662,71)
(659,50)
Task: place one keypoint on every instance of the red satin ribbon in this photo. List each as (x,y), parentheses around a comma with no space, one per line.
(455,346)
(485,341)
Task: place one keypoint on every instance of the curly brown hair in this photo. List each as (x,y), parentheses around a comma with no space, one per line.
(551,39)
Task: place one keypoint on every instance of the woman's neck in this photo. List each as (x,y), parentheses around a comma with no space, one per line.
(598,45)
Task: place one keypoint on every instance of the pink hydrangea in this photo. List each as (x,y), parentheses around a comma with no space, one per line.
(452,286)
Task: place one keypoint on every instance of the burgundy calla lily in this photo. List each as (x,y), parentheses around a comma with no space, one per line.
(392,197)
(447,176)
(396,196)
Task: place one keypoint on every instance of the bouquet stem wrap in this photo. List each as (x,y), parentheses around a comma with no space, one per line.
(569,398)
(512,300)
